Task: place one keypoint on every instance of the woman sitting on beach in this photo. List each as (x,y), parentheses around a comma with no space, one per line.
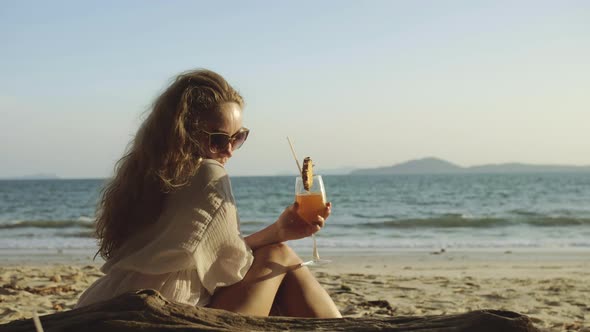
(168,219)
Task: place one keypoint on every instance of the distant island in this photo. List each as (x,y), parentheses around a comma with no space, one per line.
(433,165)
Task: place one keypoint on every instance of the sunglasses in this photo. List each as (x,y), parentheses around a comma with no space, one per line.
(219,141)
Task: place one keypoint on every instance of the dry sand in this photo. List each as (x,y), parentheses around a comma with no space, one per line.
(552,287)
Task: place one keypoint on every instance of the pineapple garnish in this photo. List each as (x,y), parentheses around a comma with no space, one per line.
(307,173)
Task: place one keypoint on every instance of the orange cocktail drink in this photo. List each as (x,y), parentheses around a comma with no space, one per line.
(311,205)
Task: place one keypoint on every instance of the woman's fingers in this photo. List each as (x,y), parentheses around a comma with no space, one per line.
(327,210)
(307,227)
(293,208)
(312,229)
(291,212)
(319,221)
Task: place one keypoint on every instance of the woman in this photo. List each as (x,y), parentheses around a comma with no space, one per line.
(168,218)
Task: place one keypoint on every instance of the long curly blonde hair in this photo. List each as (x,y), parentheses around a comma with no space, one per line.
(161,158)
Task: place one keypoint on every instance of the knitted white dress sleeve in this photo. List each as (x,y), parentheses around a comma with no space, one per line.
(194,247)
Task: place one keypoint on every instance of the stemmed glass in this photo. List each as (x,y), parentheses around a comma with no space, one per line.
(312,203)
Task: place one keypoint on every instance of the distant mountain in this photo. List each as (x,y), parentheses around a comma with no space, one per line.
(335,171)
(419,166)
(438,166)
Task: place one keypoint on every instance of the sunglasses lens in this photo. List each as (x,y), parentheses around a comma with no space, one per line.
(218,142)
(239,139)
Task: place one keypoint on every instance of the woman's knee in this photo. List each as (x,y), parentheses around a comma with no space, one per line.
(278,253)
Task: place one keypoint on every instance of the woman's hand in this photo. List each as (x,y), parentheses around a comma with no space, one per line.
(290,226)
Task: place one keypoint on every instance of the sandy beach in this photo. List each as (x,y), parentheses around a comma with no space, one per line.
(551,287)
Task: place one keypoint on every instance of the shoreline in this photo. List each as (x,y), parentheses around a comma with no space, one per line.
(407,255)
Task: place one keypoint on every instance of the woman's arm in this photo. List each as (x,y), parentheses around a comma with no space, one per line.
(263,237)
(289,226)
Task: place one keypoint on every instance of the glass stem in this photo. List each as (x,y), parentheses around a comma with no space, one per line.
(316,254)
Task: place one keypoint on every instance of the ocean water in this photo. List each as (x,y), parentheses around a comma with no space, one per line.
(369,212)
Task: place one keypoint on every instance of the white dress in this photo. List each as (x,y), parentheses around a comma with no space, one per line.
(194,247)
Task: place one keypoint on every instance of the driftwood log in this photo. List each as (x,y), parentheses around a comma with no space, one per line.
(147,310)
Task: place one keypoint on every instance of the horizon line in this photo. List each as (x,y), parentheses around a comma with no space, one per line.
(336,170)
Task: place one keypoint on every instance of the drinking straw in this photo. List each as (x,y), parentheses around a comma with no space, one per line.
(37,322)
(294,155)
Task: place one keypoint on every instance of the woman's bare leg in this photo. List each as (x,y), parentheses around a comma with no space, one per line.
(301,295)
(276,276)
(255,294)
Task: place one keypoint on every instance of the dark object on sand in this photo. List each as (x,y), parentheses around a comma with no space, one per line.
(147,310)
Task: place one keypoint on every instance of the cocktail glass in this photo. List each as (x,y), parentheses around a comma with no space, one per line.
(312,203)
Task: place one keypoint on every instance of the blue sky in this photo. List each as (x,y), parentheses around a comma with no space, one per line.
(354,83)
